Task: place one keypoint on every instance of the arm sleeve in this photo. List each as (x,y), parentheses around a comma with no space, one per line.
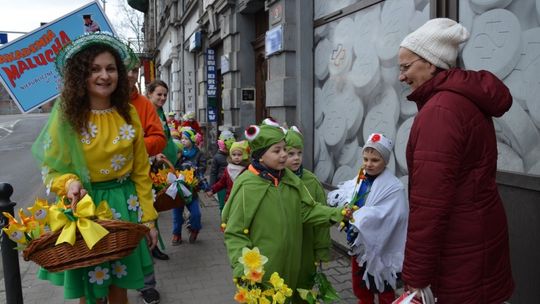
(235,238)
(438,142)
(141,169)
(221,183)
(316,214)
(58,180)
(214,170)
(321,233)
(154,136)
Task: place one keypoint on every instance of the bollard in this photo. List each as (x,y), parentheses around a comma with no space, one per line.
(10,256)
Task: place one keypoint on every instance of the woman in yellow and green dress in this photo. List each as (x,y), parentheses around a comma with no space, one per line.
(93,143)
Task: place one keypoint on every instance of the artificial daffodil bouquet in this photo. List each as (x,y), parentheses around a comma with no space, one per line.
(43,218)
(251,289)
(28,227)
(184,180)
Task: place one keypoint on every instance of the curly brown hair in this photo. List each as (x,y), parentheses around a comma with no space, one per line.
(75,101)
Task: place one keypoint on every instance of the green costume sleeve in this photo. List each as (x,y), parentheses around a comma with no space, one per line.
(317,214)
(322,240)
(58,150)
(312,212)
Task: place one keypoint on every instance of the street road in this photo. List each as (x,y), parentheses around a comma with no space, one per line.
(17,167)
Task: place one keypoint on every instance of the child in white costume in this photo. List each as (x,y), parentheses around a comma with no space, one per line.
(377,234)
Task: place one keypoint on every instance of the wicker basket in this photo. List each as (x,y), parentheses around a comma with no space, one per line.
(122,239)
(163,201)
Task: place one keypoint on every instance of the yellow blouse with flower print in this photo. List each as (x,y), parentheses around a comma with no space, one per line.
(114,150)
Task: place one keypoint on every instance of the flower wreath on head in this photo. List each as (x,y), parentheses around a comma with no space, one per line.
(87,40)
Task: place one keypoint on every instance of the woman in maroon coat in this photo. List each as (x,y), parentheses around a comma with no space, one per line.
(457,238)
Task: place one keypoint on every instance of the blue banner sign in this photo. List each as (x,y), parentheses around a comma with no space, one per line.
(211,81)
(27,67)
(212,114)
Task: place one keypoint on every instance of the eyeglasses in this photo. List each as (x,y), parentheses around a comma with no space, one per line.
(405,67)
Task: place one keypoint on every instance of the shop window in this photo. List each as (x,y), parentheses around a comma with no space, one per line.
(505,40)
(356,76)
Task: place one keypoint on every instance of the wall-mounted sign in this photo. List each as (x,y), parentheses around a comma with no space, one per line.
(248,94)
(274,40)
(27,67)
(225,64)
(276,13)
(195,42)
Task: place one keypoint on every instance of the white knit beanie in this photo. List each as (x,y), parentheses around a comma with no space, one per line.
(382,144)
(437,41)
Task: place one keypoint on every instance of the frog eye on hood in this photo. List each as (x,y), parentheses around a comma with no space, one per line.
(252,132)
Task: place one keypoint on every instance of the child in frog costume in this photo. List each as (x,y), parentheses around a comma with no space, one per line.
(268,206)
(316,239)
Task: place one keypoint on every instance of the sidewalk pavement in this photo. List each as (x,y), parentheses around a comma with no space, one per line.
(195,274)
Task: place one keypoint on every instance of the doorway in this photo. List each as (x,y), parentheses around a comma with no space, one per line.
(261,65)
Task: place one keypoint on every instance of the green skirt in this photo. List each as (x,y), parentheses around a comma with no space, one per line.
(93,282)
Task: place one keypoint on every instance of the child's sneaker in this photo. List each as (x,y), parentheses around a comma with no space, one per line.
(193,236)
(176,240)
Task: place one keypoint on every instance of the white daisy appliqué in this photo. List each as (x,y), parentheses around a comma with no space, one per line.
(98,275)
(85,136)
(127,132)
(116,215)
(118,161)
(133,202)
(119,270)
(92,129)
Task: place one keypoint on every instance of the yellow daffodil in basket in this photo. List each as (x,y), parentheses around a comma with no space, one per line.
(28,227)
